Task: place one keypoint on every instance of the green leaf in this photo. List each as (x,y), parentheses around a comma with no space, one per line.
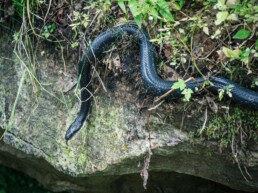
(76,13)
(122,5)
(180,84)
(242,34)
(232,54)
(167,15)
(221,94)
(178,5)
(74,44)
(163,4)
(256,45)
(229,94)
(188,93)
(16,36)
(133,5)
(154,13)
(138,20)
(53,26)
(221,17)
(220,5)
(229,87)
(205,29)
(245,56)
(46,34)
(233,17)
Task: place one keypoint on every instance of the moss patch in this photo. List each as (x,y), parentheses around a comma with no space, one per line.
(239,127)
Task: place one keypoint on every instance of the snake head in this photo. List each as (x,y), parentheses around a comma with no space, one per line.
(74,128)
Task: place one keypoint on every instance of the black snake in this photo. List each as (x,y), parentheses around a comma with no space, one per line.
(152,81)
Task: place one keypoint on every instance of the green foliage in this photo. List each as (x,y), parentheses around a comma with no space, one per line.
(231,54)
(238,127)
(14,11)
(246,8)
(225,90)
(187,94)
(242,34)
(74,44)
(80,20)
(181,85)
(48,30)
(21,6)
(149,9)
(221,17)
(16,37)
(246,13)
(243,55)
(165,36)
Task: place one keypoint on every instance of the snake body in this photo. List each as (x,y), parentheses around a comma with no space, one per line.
(152,81)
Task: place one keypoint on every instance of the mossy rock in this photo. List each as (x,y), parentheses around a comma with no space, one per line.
(112,144)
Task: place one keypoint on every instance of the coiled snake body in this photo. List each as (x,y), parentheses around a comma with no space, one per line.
(152,82)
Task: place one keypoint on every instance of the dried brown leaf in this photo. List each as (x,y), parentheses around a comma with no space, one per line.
(171,74)
(168,51)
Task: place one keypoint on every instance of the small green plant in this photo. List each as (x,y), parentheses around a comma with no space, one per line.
(242,34)
(149,9)
(234,130)
(242,55)
(100,5)
(181,85)
(48,30)
(74,44)
(15,37)
(247,9)
(19,6)
(225,90)
(79,20)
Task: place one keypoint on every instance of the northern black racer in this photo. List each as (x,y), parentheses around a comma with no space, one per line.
(152,81)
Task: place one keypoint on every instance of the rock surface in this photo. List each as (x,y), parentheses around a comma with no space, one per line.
(111,148)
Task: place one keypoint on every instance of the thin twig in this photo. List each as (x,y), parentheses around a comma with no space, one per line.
(62,55)
(91,95)
(182,121)
(183,116)
(163,96)
(96,15)
(50,2)
(248,173)
(94,69)
(146,165)
(156,106)
(7,59)
(235,156)
(205,120)
(200,85)
(99,78)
